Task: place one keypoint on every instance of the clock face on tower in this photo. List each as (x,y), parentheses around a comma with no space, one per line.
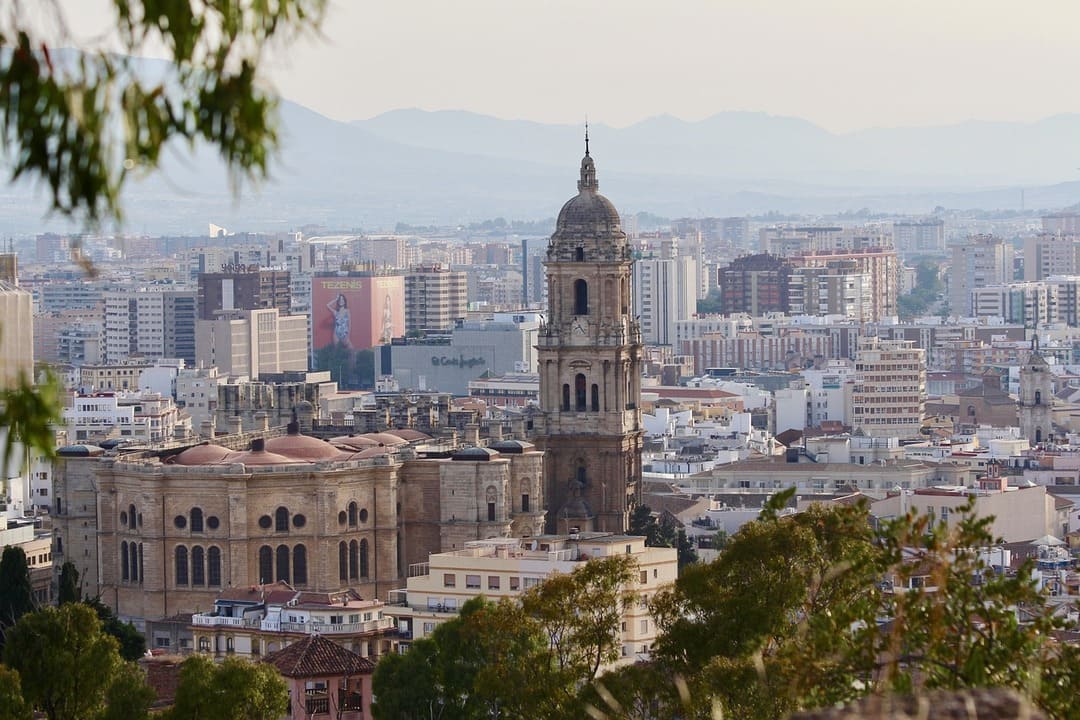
(578,327)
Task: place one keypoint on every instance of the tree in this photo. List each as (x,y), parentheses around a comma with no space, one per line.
(131,641)
(234,689)
(16,594)
(69,668)
(711,304)
(68,590)
(12,705)
(406,686)
(338,359)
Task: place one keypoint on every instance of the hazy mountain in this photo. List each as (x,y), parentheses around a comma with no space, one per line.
(456,167)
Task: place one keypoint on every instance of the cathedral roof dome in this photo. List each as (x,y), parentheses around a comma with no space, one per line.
(588,220)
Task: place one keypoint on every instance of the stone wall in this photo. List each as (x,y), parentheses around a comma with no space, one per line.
(987,704)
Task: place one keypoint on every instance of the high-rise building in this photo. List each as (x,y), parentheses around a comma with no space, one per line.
(665,291)
(434,298)
(251,343)
(16,335)
(979,261)
(838,288)
(1025,303)
(879,264)
(590,356)
(1049,254)
(1066,223)
(151,322)
(241,288)
(889,397)
(923,236)
(756,285)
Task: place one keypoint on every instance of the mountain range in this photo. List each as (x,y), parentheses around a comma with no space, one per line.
(451,167)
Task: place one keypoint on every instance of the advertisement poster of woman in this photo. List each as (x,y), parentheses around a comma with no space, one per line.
(339,306)
(356,311)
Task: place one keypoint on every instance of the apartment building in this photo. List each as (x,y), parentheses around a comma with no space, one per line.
(253,342)
(665,291)
(151,322)
(506,567)
(434,298)
(1049,254)
(979,261)
(889,397)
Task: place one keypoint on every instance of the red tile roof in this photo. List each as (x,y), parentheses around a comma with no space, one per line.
(315,656)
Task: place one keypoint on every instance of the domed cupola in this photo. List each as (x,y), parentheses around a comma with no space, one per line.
(588,228)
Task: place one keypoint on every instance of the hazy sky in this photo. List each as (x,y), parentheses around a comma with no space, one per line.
(844,64)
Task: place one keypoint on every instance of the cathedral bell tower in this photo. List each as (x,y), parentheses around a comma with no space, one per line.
(590,358)
(1036,398)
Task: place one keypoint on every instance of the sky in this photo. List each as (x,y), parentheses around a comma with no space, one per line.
(843,64)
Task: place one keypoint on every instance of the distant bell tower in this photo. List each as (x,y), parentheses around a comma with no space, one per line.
(590,358)
(1036,398)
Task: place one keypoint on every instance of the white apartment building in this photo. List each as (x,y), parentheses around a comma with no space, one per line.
(197,393)
(505,567)
(16,335)
(925,235)
(889,396)
(143,417)
(253,342)
(151,322)
(665,291)
(1026,303)
(822,395)
(979,261)
(435,297)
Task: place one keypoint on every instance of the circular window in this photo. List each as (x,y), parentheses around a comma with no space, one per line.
(265,522)
(180,522)
(212,522)
(299,520)
(123,518)
(341,517)
(363,515)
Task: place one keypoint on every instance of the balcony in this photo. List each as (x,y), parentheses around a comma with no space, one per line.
(357,628)
(221,621)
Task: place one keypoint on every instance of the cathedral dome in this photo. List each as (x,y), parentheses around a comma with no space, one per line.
(588,221)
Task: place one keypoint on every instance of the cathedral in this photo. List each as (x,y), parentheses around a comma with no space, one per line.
(590,357)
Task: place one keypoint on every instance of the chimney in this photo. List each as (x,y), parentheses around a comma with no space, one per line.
(207,428)
(262,421)
(472,434)
(236,425)
(495,431)
(517,429)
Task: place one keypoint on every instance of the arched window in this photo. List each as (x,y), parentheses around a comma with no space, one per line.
(566,397)
(123,562)
(579,391)
(140,564)
(299,565)
(196,520)
(581,476)
(343,560)
(595,397)
(198,566)
(352,514)
(1038,435)
(131,517)
(354,558)
(266,564)
(213,562)
(525,502)
(281,520)
(283,563)
(1038,397)
(581,297)
(133,551)
(181,565)
(363,558)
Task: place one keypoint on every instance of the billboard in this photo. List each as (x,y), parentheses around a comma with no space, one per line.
(359,311)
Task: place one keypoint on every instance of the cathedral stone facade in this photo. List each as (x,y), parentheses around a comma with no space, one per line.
(590,356)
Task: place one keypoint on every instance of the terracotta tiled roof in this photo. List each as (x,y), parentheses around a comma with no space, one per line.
(315,656)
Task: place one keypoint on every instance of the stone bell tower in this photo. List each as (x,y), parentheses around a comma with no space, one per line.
(590,358)
(1036,398)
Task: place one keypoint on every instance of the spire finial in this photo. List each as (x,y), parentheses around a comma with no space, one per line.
(586,134)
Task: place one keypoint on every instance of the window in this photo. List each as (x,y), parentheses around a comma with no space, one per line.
(363,515)
(644,577)
(140,565)
(283,563)
(299,520)
(595,398)
(204,644)
(343,561)
(579,391)
(180,522)
(198,566)
(515,583)
(300,565)
(281,520)
(265,522)
(472,582)
(579,254)
(212,522)
(354,560)
(196,520)
(493,582)
(644,626)
(123,562)
(229,645)
(266,564)
(531,582)
(181,565)
(491,512)
(364,558)
(131,515)
(213,562)
(581,297)
(525,502)
(449,580)
(565,400)
(429,627)
(352,514)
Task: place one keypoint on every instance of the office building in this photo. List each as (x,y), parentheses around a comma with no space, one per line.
(243,287)
(252,343)
(665,292)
